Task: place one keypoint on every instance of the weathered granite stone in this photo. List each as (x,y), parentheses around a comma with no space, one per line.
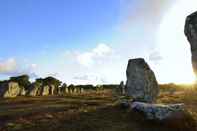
(10,89)
(141,82)
(51,89)
(23,91)
(191,34)
(35,89)
(122,88)
(158,111)
(45,91)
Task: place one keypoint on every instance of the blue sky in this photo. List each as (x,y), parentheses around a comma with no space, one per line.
(33,25)
(89,41)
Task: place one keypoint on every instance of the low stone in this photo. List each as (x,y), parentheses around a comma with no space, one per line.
(158,111)
(124,104)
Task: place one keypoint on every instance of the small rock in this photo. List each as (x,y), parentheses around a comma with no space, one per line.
(124,104)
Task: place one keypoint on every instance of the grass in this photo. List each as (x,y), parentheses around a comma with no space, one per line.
(90,112)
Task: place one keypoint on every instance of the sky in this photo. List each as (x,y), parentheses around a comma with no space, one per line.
(90,42)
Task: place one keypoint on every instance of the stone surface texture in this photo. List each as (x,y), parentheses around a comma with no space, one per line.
(158,111)
(141,83)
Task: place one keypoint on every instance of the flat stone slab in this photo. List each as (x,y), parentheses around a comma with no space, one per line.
(158,111)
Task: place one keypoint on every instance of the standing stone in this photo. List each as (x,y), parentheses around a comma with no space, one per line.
(191,34)
(45,90)
(122,88)
(10,90)
(141,82)
(52,90)
(23,91)
(35,89)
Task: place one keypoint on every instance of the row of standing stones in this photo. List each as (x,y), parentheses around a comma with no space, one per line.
(11,89)
(143,87)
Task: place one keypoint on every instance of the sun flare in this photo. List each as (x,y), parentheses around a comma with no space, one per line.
(174,46)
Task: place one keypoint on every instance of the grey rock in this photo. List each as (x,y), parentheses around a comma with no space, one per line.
(141,81)
(45,90)
(10,90)
(23,91)
(158,111)
(38,89)
(191,34)
(35,89)
(122,88)
(54,90)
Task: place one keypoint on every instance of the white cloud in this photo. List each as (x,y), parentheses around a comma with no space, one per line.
(89,79)
(33,66)
(86,58)
(8,65)
(11,67)
(95,55)
(101,64)
(102,50)
(53,74)
(155,57)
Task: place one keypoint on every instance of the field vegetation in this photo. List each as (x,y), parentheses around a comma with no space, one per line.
(95,111)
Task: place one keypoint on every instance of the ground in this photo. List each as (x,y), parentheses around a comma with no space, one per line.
(92,112)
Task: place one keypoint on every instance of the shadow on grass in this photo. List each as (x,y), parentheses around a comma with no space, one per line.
(109,118)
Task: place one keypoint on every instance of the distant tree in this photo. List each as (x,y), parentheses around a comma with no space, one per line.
(86,86)
(64,85)
(50,81)
(71,86)
(110,86)
(22,80)
(39,80)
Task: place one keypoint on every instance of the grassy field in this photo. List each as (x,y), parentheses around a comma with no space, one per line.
(92,112)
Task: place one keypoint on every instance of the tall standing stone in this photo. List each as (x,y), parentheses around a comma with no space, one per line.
(191,34)
(10,89)
(141,82)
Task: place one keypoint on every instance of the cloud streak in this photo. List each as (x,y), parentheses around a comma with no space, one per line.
(155,57)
